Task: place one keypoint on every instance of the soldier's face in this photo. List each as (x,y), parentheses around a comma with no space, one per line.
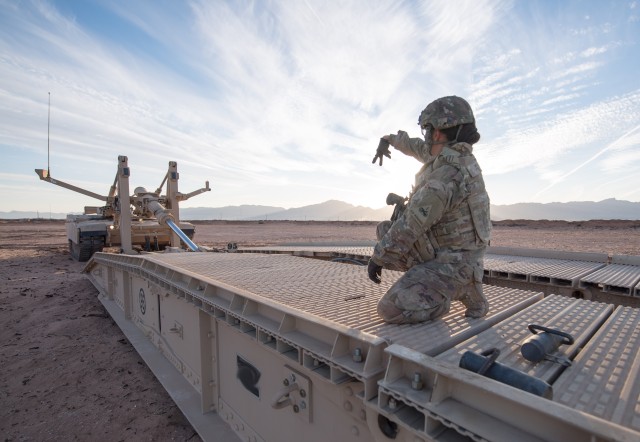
(426,132)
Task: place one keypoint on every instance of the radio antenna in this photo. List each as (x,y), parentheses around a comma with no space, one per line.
(48,130)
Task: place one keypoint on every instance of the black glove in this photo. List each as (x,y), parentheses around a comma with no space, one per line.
(383,151)
(374,271)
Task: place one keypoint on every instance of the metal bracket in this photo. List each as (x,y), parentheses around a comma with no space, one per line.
(296,393)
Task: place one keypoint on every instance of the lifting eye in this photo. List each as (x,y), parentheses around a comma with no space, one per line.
(248,375)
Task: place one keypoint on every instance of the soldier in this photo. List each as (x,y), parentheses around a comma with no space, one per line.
(440,237)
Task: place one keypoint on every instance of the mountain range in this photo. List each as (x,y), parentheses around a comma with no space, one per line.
(340,211)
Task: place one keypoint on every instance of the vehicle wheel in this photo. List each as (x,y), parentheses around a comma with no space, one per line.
(97,247)
(86,250)
(74,250)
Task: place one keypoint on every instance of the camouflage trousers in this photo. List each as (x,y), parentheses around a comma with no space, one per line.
(426,290)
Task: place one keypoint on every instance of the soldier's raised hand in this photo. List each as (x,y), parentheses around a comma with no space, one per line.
(383,151)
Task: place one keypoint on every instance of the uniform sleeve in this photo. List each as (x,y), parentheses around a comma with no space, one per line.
(413,147)
(425,209)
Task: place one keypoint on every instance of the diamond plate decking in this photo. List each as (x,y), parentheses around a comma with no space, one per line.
(579,318)
(341,294)
(603,379)
(587,272)
(614,278)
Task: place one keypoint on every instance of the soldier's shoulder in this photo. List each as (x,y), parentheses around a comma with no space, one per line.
(449,156)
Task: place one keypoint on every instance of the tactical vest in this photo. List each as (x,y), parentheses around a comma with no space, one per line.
(466,225)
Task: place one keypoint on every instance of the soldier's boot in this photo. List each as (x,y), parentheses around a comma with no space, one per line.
(476,303)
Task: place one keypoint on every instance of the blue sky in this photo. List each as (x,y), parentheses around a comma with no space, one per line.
(282,103)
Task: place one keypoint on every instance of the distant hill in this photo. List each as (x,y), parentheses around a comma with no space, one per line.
(340,211)
(243,212)
(572,211)
(331,210)
(16,214)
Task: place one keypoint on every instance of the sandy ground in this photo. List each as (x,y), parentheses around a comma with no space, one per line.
(68,373)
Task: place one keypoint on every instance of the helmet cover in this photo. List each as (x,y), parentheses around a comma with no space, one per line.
(446,112)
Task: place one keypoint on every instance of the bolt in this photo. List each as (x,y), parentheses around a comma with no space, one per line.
(416,384)
(285,381)
(348,391)
(303,393)
(293,377)
(392,403)
(357,355)
(296,409)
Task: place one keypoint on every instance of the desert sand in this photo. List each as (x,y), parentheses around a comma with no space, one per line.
(68,373)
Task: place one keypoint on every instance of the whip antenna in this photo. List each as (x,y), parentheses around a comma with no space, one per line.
(48,130)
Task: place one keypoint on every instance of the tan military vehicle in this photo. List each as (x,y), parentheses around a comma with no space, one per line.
(143,221)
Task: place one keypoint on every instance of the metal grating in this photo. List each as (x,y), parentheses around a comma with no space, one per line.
(603,379)
(577,317)
(342,294)
(614,278)
(518,267)
(547,267)
(566,273)
(360,252)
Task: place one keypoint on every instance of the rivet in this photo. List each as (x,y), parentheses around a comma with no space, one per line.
(416,383)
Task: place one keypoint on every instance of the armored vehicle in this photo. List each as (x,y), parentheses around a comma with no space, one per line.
(143,221)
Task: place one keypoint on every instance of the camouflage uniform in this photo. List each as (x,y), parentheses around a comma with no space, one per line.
(440,239)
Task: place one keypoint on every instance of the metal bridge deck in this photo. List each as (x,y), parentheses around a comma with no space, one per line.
(577,317)
(315,312)
(342,294)
(621,276)
(603,380)
(532,269)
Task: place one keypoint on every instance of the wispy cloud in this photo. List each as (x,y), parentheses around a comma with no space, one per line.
(283,102)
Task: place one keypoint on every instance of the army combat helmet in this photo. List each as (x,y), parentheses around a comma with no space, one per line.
(446,112)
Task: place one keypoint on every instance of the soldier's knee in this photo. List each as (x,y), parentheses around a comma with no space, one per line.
(389,312)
